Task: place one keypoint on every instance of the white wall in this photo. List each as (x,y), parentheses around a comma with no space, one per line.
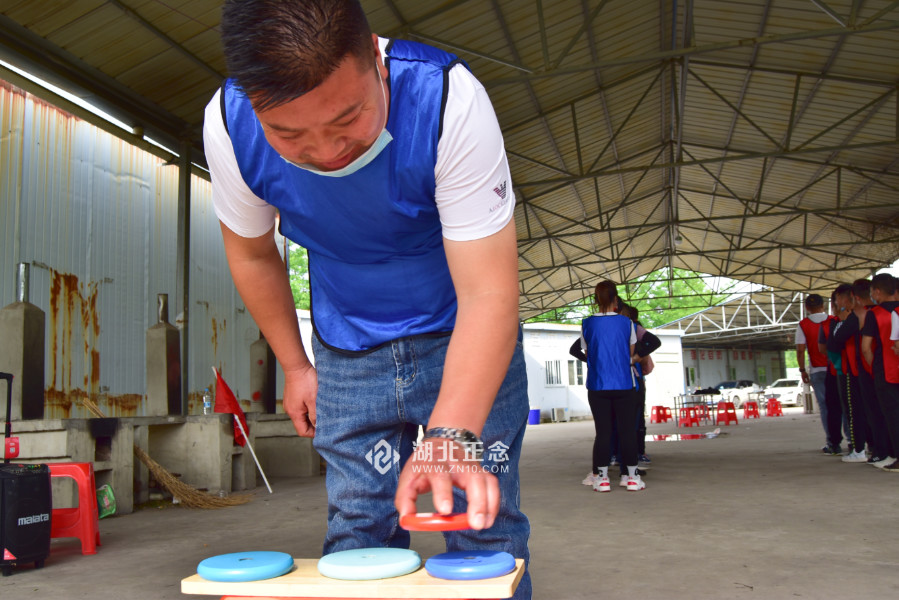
(547,343)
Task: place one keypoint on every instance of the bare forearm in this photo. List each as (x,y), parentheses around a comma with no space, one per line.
(800,355)
(477,359)
(868,349)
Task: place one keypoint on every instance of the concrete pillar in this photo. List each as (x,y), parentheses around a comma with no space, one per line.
(163,364)
(22,331)
(262,375)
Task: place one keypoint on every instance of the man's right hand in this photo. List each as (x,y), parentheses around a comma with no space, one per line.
(300,389)
(804,376)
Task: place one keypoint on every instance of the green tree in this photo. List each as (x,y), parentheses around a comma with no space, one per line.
(659,298)
(298,273)
(790,361)
(662,299)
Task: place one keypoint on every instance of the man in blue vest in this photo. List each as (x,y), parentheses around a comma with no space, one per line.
(384,159)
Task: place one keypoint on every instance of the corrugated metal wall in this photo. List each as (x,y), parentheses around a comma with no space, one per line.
(96,218)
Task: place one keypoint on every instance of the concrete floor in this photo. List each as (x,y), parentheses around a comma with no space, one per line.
(758,512)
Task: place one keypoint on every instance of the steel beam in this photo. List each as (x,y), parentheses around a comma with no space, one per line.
(611,170)
(664,55)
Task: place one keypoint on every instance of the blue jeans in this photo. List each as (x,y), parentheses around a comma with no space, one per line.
(369,408)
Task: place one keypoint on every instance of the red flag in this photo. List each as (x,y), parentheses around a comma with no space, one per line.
(225,402)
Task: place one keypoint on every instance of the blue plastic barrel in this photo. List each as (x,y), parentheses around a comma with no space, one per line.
(534,416)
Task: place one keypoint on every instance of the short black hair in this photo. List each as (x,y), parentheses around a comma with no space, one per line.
(814,301)
(842,289)
(278,50)
(886,283)
(861,288)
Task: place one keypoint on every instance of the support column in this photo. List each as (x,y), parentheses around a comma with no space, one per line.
(22,331)
(183,267)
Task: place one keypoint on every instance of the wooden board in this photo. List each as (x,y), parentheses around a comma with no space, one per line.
(304,581)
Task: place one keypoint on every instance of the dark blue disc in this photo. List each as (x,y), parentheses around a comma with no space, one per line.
(475,564)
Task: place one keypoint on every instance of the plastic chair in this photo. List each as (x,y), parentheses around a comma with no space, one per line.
(667,414)
(657,414)
(82,521)
(774,409)
(751,410)
(688,417)
(702,412)
(727,412)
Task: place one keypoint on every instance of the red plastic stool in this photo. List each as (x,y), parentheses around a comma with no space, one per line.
(82,521)
(702,412)
(667,414)
(774,409)
(657,415)
(727,413)
(688,417)
(751,410)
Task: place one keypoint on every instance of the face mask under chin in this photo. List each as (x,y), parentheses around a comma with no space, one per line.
(366,157)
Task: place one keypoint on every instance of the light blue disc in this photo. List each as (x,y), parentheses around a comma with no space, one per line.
(245,566)
(369,563)
(472,564)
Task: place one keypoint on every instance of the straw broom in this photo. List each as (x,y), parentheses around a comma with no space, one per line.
(187,495)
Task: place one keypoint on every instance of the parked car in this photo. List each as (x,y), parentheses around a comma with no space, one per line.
(737,391)
(786,390)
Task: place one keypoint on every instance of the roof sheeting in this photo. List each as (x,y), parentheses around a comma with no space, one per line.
(761,133)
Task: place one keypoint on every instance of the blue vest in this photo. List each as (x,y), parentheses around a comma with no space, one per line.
(377,267)
(608,352)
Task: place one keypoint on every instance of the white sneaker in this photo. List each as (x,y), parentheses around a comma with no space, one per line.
(635,484)
(602,485)
(590,479)
(855,457)
(882,463)
(623,482)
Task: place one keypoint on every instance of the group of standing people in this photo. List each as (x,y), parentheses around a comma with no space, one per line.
(854,369)
(616,349)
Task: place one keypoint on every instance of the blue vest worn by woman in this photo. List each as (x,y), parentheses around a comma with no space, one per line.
(377,267)
(608,340)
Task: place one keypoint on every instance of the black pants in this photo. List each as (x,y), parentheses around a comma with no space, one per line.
(834,410)
(852,405)
(888,397)
(641,418)
(875,425)
(622,406)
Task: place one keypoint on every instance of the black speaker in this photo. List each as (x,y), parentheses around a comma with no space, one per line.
(26,507)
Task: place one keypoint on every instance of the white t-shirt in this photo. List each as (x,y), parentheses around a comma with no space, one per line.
(894,331)
(800,336)
(471,167)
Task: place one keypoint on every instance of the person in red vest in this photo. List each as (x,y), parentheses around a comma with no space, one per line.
(816,374)
(877,350)
(842,351)
(875,424)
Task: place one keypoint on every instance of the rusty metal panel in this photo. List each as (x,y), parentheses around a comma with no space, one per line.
(96,218)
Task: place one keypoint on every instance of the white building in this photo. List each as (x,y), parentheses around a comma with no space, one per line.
(556,379)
